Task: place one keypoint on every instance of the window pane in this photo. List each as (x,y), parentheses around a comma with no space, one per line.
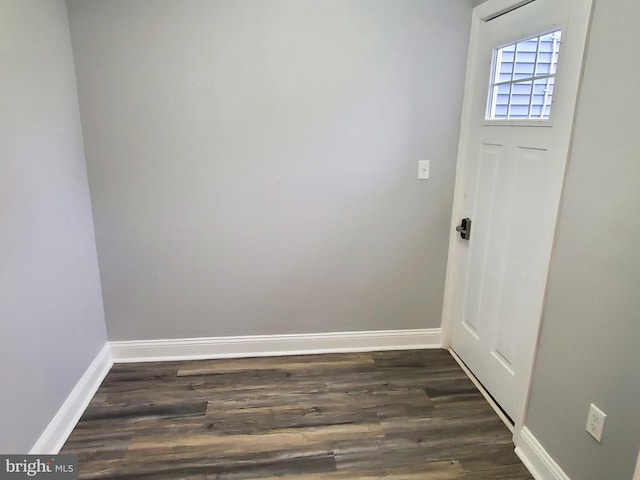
(501,112)
(504,67)
(501,101)
(520,100)
(548,55)
(515,92)
(542,98)
(525,59)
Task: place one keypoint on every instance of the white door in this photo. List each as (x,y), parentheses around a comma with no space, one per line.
(515,138)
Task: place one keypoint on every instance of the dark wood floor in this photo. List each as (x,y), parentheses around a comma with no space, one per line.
(397,415)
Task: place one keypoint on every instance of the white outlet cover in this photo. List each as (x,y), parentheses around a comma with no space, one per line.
(595,422)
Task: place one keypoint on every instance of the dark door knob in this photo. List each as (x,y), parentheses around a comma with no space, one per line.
(464,228)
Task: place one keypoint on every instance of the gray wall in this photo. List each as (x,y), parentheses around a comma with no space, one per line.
(51,316)
(589,350)
(253,164)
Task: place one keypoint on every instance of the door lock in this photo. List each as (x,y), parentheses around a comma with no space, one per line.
(464,228)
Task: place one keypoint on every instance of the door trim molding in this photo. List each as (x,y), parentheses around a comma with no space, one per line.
(537,460)
(273,345)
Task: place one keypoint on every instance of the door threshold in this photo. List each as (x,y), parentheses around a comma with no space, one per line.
(496,408)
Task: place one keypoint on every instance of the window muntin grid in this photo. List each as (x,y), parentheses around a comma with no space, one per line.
(523,78)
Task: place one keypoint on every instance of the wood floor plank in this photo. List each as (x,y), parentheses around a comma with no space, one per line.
(276,440)
(287,364)
(147,411)
(448,470)
(395,415)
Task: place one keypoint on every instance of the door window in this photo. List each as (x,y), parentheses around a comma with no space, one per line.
(523,77)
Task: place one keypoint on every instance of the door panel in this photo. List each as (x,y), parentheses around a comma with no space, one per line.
(509,182)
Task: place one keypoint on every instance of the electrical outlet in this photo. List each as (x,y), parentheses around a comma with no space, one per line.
(595,422)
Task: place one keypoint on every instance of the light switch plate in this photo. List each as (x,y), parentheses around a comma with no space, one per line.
(423,169)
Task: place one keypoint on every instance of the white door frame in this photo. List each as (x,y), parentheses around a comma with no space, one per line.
(482,12)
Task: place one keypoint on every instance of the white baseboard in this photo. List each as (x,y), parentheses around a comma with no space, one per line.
(273,345)
(64,421)
(541,465)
